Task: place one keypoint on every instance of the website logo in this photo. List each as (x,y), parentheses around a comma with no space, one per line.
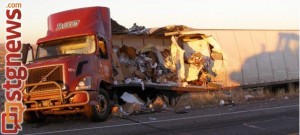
(15,72)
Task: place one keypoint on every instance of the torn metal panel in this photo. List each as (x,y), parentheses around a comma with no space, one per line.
(196,46)
(216,56)
(192,72)
(184,32)
(159,31)
(162,30)
(220,69)
(208,66)
(177,58)
(212,41)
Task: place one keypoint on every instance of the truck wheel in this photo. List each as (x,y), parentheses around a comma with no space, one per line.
(99,113)
(33,117)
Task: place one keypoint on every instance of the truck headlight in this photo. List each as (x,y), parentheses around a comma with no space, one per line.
(84,83)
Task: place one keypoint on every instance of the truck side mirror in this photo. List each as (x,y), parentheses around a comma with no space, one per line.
(27,53)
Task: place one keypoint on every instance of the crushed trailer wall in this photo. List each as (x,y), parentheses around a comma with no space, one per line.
(251,57)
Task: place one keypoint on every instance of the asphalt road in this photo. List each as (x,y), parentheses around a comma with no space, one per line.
(254,118)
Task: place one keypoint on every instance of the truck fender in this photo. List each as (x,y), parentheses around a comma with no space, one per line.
(92,103)
(93,97)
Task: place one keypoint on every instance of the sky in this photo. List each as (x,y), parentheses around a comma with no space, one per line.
(202,14)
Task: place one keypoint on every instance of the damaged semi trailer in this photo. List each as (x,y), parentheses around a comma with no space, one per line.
(79,67)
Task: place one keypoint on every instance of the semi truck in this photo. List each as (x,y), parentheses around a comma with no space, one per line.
(81,67)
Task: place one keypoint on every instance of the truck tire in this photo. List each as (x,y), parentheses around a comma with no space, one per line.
(33,117)
(99,113)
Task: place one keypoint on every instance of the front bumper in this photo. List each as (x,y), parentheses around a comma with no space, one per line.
(52,99)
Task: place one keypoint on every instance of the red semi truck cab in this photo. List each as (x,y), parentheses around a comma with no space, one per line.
(72,66)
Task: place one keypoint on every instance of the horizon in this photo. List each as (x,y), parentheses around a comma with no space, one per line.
(3,43)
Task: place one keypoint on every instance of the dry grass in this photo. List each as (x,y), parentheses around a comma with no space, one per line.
(209,99)
(203,99)
(293,90)
(290,91)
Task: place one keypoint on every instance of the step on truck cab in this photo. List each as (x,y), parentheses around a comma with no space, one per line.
(71,67)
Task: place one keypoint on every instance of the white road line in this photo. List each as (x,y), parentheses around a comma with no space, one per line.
(252,126)
(167,120)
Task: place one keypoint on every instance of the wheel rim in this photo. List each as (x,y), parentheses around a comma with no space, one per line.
(102,106)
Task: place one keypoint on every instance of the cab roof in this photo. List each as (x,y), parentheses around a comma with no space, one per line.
(78,22)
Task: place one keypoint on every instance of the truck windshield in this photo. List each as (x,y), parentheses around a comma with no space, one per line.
(74,45)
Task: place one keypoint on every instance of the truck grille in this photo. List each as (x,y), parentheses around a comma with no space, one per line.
(45,74)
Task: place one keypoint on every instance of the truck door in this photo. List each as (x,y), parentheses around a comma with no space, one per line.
(105,69)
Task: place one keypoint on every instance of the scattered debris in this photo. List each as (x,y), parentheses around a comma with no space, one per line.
(136,29)
(130,108)
(115,111)
(189,61)
(152,118)
(229,103)
(164,106)
(222,102)
(134,105)
(225,103)
(132,99)
(248,97)
(187,107)
(232,103)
